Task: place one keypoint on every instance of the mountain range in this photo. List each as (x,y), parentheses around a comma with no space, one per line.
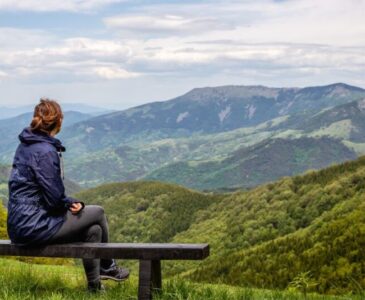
(219,130)
(206,144)
(207,110)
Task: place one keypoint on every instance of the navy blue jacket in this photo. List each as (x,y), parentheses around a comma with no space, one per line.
(37,201)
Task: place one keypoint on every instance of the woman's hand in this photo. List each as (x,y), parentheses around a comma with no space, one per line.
(75,207)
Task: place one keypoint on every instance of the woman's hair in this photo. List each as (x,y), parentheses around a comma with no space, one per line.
(47,117)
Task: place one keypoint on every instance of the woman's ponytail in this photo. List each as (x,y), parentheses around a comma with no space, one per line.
(47,117)
(36,123)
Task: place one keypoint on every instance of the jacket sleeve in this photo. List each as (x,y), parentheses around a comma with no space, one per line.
(48,175)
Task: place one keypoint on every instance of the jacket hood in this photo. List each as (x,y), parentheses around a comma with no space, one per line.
(27,136)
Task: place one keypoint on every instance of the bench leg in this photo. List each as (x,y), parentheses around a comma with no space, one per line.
(149,278)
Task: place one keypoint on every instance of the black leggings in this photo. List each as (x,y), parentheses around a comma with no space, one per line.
(90,225)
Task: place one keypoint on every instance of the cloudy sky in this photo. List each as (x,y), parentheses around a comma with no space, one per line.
(122,53)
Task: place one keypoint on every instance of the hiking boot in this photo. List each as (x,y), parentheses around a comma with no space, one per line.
(114,273)
(95,287)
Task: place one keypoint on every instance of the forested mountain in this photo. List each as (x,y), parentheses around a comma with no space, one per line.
(184,160)
(312,224)
(147,211)
(345,121)
(205,110)
(264,237)
(254,165)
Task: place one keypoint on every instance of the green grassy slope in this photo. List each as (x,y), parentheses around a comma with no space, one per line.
(21,281)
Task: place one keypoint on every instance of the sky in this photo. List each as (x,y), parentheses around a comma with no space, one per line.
(123,53)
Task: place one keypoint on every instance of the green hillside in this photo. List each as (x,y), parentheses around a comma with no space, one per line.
(133,161)
(330,249)
(265,237)
(263,162)
(147,211)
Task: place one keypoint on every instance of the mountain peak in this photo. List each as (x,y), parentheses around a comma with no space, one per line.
(345,86)
(336,86)
(229,91)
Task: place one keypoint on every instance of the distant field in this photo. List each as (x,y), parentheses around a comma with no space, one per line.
(26,281)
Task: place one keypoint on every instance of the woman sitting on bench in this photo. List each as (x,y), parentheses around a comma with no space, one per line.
(39,212)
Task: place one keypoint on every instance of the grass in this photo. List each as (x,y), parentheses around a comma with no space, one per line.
(27,282)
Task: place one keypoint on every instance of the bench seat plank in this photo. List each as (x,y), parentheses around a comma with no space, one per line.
(138,251)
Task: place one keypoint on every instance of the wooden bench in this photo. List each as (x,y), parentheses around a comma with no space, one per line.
(149,256)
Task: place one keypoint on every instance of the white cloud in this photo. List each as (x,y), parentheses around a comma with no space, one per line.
(264,42)
(78,57)
(334,22)
(164,24)
(85,58)
(114,73)
(55,5)
(3,74)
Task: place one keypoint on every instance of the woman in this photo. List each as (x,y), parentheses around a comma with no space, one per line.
(39,212)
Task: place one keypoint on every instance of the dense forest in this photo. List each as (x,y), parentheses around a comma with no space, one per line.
(148,211)
(312,225)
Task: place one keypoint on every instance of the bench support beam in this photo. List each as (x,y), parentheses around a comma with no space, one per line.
(149,278)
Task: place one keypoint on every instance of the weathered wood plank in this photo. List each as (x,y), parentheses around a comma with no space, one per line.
(110,250)
(156,275)
(145,280)
(149,278)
